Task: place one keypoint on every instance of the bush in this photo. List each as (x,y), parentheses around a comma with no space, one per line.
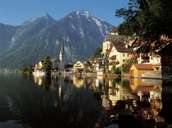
(116,70)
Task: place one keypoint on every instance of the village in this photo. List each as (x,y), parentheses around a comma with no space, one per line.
(122,77)
(86,64)
(117,56)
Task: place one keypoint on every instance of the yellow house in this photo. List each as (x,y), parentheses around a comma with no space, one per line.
(78,67)
(138,70)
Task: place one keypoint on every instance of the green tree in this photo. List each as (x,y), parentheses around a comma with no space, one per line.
(116,70)
(97,53)
(126,67)
(148,19)
(47,64)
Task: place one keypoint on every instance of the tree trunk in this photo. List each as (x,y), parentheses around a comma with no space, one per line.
(166,62)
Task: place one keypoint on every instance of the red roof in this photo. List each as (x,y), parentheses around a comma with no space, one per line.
(144,66)
(147,88)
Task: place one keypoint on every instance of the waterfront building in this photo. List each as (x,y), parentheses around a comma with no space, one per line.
(145,71)
(115,50)
(78,67)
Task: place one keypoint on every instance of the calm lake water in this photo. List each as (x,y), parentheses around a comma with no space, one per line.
(71,102)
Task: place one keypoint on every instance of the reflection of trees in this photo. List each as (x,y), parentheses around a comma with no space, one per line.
(64,105)
(167,101)
(43,109)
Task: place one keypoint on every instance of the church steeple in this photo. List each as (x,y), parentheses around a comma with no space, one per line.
(61,55)
(61,58)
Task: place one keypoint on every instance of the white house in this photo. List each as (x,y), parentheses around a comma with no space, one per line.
(115,50)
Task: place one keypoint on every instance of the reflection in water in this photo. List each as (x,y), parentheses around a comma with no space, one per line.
(47,102)
(167,101)
(62,105)
(78,82)
(38,80)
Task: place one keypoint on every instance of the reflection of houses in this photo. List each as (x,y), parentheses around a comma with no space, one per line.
(78,67)
(38,80)
(118,92)
(149,90)
(111,91)
(78,82)
(145,71)
(68,67)
(55,63)
(115,50)
(150,87)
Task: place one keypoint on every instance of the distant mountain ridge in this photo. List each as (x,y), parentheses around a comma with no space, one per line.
(28,43)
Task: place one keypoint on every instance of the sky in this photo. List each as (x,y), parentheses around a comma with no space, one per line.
(15,12)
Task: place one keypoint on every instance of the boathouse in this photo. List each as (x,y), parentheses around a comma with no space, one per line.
(138,70)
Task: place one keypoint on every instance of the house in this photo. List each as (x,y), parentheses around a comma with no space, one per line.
(115,50)
(149,63)
(78,67)
(137,70)
(145,71)
(149,58)
(144,56)
(98,66)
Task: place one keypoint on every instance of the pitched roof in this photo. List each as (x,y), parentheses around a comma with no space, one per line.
(144,66)
(120,47)
(116,38)
(118,42)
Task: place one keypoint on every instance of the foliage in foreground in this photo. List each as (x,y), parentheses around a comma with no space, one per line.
(148,20)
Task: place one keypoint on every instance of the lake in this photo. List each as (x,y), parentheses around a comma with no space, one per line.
(72,102)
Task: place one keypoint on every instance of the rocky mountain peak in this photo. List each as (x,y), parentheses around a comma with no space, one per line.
(80,31)
(45,18)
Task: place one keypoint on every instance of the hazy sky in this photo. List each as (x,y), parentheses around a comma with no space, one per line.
(15,12)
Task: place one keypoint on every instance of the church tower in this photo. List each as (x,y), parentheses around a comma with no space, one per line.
(61,58)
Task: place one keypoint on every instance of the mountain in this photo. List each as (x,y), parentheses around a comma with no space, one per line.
(6,33)
(28,43)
